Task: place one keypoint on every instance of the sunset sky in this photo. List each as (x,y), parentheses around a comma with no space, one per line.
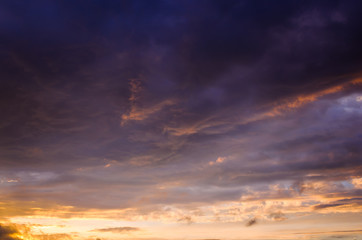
(180,120)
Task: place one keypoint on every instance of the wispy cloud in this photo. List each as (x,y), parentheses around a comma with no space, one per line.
(138,112)
(117,229)
(340,203)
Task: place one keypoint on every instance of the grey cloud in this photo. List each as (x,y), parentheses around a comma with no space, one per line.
(251,222)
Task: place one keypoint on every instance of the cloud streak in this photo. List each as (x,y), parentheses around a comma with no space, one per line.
(117,229)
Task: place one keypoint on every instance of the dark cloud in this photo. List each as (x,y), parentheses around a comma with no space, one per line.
(66,84)
(9,233)
(251,222)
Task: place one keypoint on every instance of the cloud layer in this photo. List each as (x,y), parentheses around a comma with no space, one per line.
(180,112)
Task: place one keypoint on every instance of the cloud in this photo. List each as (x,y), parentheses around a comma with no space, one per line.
(186,219)
(18,232)
(277,216)
(330,232)
(219,160)
(340,203)
(138,112)
(55,236)
(251,222)
(357,182)
(9,233)
(276,89)
(117,229)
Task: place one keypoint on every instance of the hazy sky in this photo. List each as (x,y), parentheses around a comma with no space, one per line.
(180,119)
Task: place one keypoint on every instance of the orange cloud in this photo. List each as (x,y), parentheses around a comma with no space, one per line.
(273,110)
(301,100)
(357,183)
(12,231)
(9,233)
(138,113)
(217,161)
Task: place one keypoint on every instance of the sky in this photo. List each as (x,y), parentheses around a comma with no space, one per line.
(180,120)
